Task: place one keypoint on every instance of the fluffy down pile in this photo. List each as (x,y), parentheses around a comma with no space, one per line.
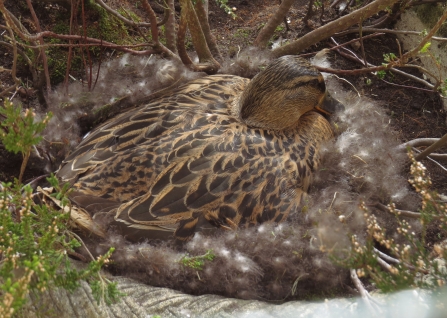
(120,83)
(286,261)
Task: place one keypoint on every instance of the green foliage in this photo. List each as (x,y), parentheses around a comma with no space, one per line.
(197,262)
(425,47)
(224,5)
(389,57)
(414,265)
(107,292)
(242,33)
(279,28)
(381,74)
(34,241)
(20,130)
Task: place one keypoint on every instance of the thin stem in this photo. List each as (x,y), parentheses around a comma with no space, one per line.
(24,163)
(363,292)
(366,29)
(42,51)
(438,144)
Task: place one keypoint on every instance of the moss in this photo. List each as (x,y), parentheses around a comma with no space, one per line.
(129,15)
(242,33)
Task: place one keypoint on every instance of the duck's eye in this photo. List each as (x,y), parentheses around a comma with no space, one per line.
(314,82)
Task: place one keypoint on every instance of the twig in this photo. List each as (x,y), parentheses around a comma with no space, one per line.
(343,44)
(42,50)
(386,257)
(396,261)
(384,264)
(417,143)
(83,244)
(203,20)
(414,78)
(309,12)
(366,29)
(14,58)
(181,38)
(410,214)
(93,41)
(433,156)
(153,19)
(170,26)
(365,63)
(363,292)
(410,87)
(420,68)
(438,144)
(351,72)
(24,162)
(333,27)
(438,156)
(388,66)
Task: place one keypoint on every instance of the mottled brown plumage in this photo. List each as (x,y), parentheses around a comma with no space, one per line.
(220,151)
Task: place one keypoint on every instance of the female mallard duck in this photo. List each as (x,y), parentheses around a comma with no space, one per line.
(220,151)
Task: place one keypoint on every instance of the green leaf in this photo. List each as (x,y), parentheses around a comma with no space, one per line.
(425,47)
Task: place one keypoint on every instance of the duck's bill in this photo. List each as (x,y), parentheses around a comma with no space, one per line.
(330,105)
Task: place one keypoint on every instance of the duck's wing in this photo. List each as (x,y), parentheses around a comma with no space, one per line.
(208,94)
(119,160)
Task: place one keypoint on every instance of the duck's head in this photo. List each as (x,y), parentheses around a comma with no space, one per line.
(279,95)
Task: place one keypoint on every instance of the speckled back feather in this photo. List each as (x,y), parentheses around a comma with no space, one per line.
(185,163)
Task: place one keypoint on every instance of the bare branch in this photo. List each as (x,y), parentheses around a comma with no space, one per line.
(363,292)
(153,19)
(309,12)
(417,143)
(42,50)
(170,27)
(92,41)
(333,27)
(209,64)
(352,56)
(367,30)
(203,20)
(438,144)
(14,57)
(384,264)
(438,156)
(181,38)
(267,31)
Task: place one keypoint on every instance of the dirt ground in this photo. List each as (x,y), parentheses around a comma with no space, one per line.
(413,113)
